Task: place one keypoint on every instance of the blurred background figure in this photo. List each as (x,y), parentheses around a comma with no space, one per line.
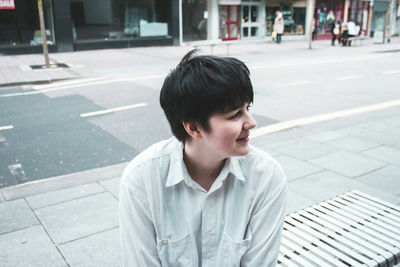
(278,26)
(335,30)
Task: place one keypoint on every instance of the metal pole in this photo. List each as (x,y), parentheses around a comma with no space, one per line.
(42,31)
(310,15)
(391,18)
(386,24)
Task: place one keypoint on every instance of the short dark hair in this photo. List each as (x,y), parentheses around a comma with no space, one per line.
(201,86)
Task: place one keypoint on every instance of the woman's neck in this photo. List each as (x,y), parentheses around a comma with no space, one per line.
(203,167)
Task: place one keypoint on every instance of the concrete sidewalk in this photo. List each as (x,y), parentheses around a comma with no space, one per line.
(72,220)
(78,225)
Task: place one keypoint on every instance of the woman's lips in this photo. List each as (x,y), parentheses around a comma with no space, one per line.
(244,139)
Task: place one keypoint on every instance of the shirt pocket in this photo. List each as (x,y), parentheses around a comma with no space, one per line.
(177,253)
(231,251)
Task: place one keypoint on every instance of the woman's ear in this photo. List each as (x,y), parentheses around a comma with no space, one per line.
(193,129)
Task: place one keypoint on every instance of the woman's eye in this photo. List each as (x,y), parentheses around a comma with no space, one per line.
(237,115)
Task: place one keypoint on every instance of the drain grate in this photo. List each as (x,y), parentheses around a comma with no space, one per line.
(52,66)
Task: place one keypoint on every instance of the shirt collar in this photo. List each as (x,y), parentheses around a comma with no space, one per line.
(178,172)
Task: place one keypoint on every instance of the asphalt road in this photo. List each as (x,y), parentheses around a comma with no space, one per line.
(55,131)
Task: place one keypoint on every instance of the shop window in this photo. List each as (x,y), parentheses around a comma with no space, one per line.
(119,19)
(194,20)
(21,26)
(294,13)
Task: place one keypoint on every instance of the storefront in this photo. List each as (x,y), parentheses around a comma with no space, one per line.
(88,24)
(229,22)
(327,11)
(19,24)
(194,20)
(294,15)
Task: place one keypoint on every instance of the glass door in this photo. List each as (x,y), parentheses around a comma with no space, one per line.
(250,19)
(228,22)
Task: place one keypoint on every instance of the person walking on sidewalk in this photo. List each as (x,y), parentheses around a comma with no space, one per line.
(204,197)
(278,26)
(335,30)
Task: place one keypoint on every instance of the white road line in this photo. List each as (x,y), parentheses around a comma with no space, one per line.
(109,80)
(349,77)
(291,84)
(8,127)
(391,72)
(316,62)
(66,83)
(320,118)
(106,111)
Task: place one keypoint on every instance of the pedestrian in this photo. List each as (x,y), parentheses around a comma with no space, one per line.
(204,197)
(278,26)
(335,30)
(313,29)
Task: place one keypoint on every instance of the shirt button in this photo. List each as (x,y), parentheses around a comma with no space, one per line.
(209,255)
(165,242)
(209,228)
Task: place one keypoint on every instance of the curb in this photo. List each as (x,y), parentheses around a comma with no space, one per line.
(37,82)
(61,182)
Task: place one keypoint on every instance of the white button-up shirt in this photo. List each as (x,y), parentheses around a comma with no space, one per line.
(167,219)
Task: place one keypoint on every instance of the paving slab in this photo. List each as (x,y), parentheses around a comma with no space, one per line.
(348,164)
(63,195)
(112,185)
(306,149)
(352,144)
(325,136)
(101,249)
(388,138)
(79,218)
(324,185)
(384,153)
(29,247)
(297,201)
(387,178)
(295,168)
(15,215)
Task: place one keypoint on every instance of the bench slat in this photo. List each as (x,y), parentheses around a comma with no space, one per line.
(380,206)
(389,218)
(352,229)
(358,236)
(327,257)
(368,221)
(320,246)
(374,217)
(378,201)
(343,247)
(303,252)
(339,249)
(357,244)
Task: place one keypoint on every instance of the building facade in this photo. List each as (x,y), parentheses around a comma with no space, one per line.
(87,24)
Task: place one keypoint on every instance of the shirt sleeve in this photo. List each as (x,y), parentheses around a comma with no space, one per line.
(137,233)
(266,226)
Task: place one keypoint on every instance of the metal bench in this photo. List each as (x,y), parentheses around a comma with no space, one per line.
(349,40)
(212,44)
(353,229)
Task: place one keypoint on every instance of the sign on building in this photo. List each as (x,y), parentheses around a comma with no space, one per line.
(7,4)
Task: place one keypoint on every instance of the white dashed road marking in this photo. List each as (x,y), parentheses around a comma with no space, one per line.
(391,72)
(73,84)
(8,127)
(322,117)
(291,84)
(106,111)
(349,77)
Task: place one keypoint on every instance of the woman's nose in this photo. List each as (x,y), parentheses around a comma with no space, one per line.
(250,122)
